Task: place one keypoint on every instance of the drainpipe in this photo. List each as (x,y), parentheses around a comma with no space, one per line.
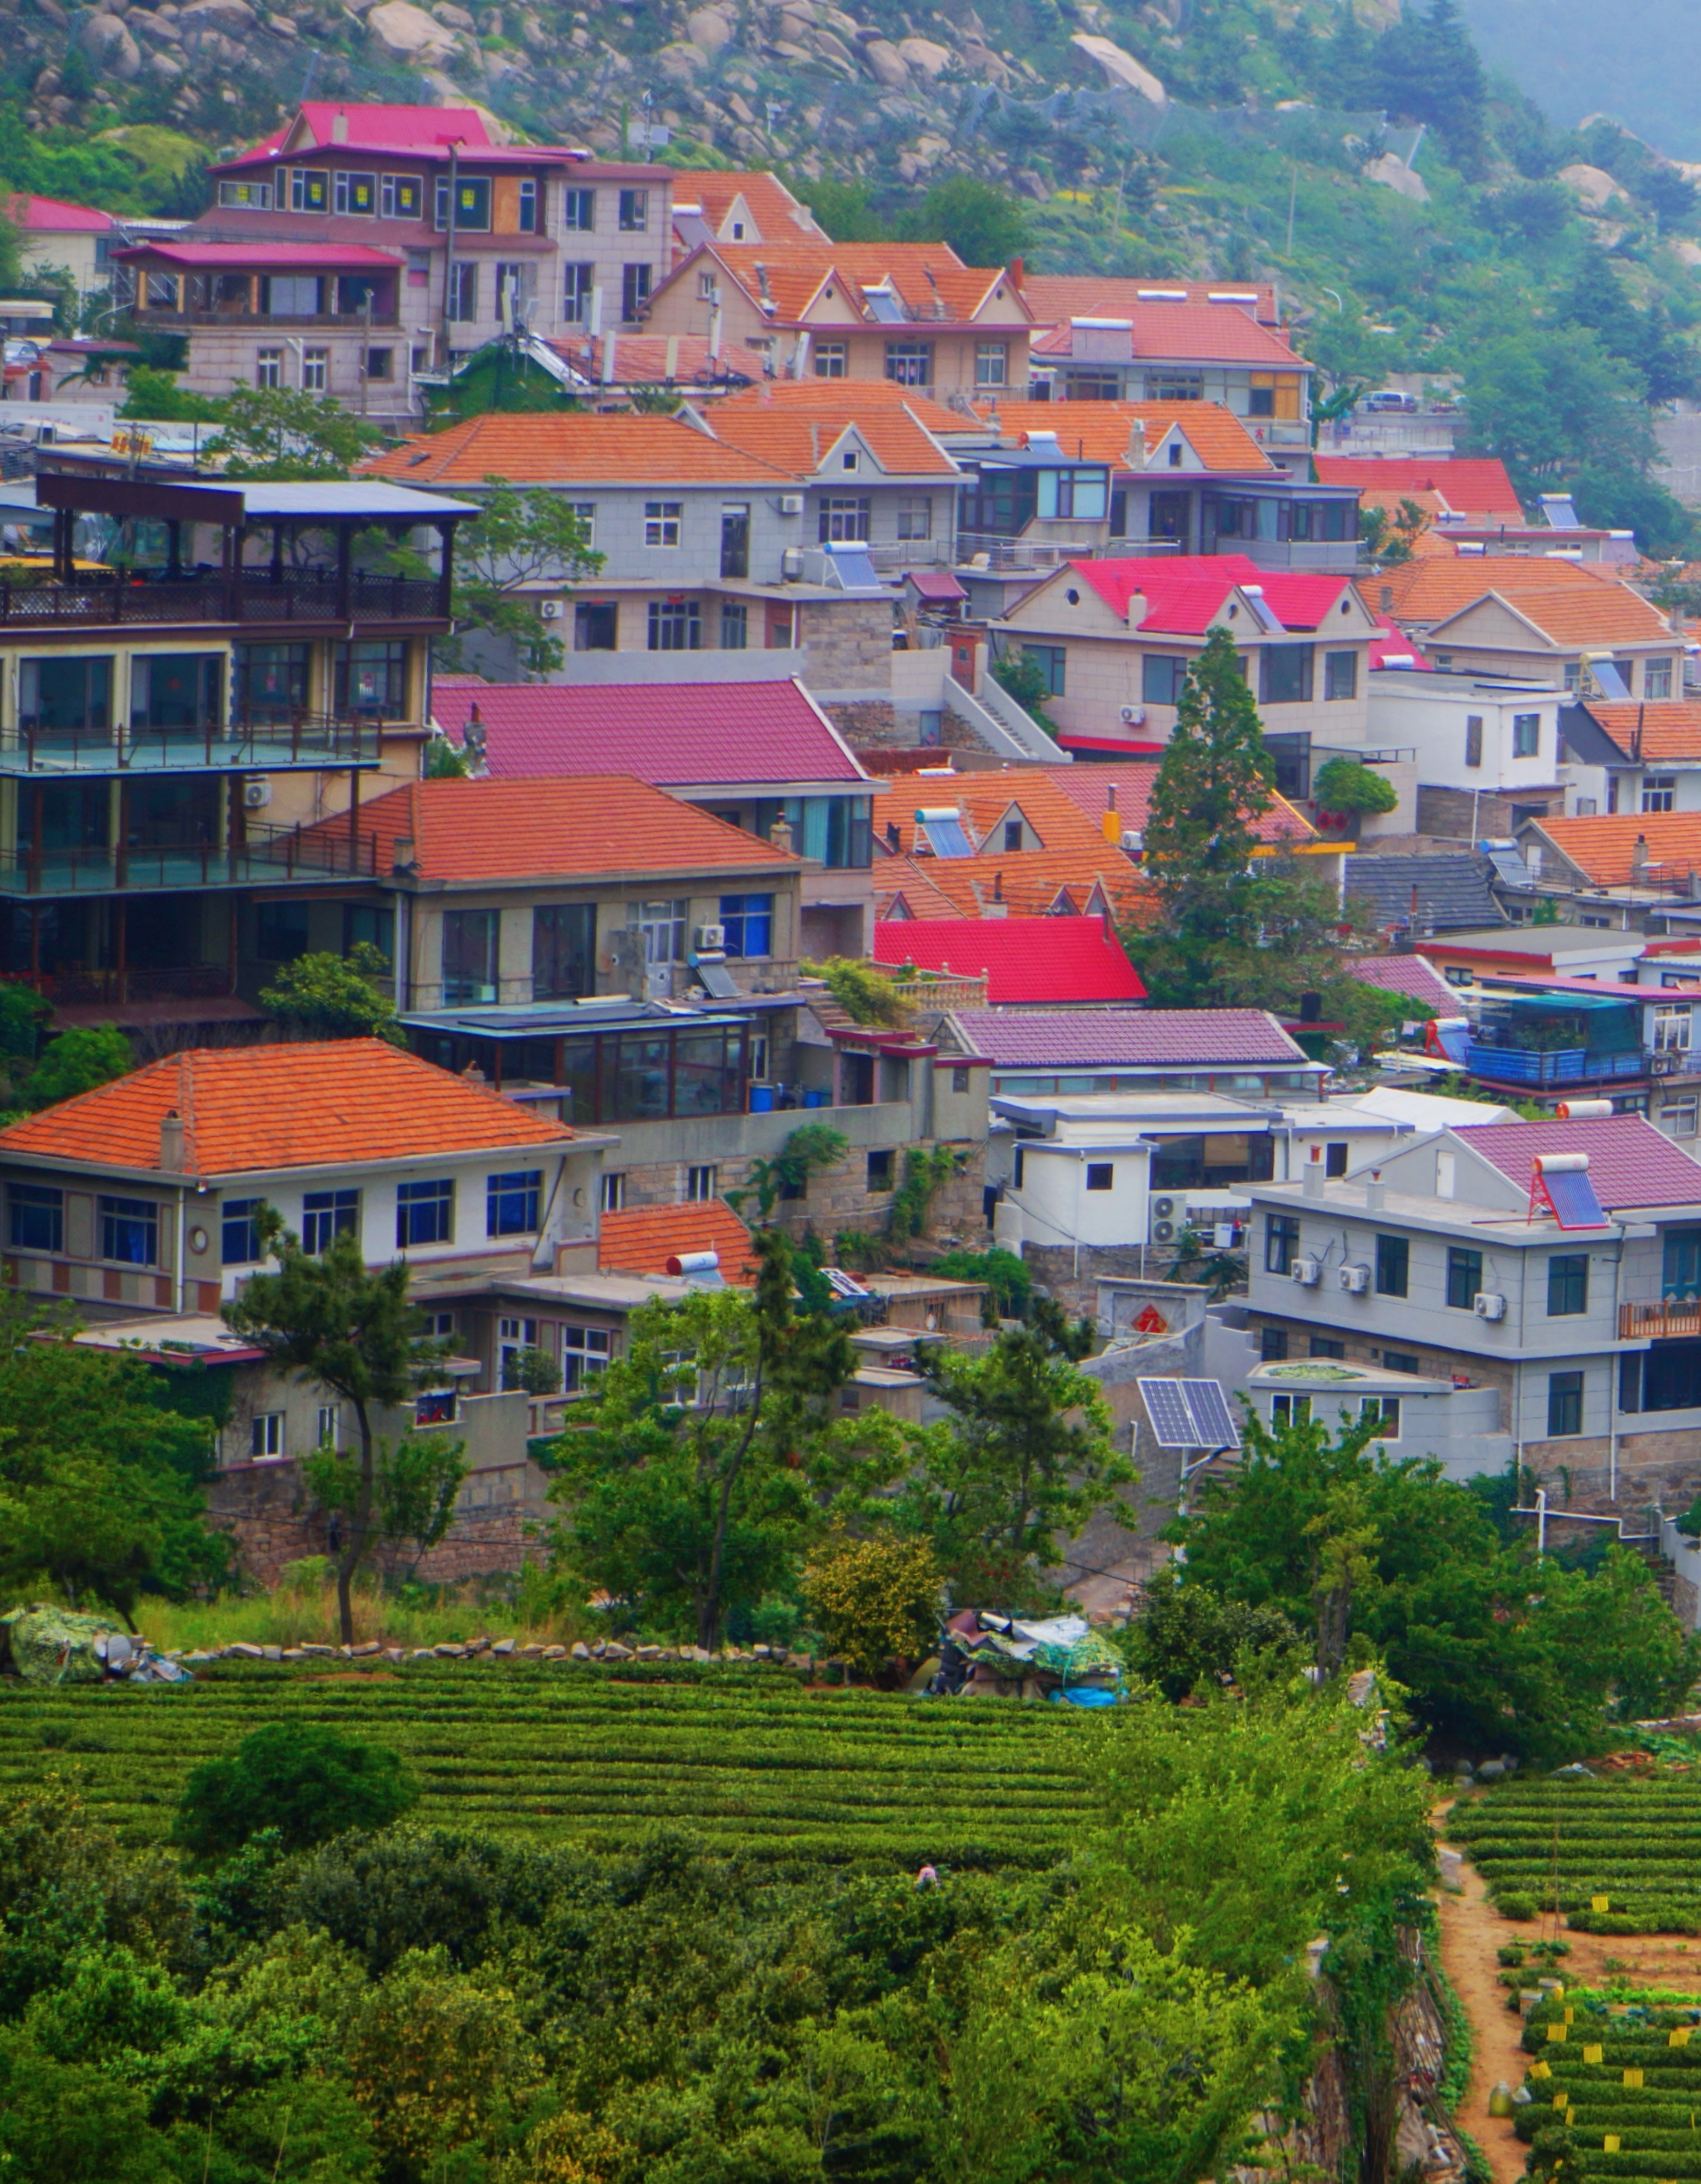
(449,258)
(177,1269)
(1612,1369)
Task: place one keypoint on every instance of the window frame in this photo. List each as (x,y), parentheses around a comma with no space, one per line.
(392,189)
(425,1213)
(325,1216)
(1281,1243)
(674,625)
(633,214)
(238,1222)
(1526,736)
(514,1202)
(28,1200)
(1100,1176)
(575,202)
(1304,656)
(910,364)
(1341,676)
(1393,1258)
(120,1214)
(1464,1278)
(844,519)
(1566,1285)
(664,525)
(1565,1393)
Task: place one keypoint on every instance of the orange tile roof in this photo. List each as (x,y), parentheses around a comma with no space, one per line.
(1090,787)
(774,209)
(1607,614)
(1061,295)
(641,1239)
(984,799)
(586,827)
(1016,883)
(1101,431)
(813,394)
(800,439)
(1427,589)
(571,449)
(1663,729)
(1604,849)
(250,1109)
(930,279)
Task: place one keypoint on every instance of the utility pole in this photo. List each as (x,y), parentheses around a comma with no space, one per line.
(1293,194)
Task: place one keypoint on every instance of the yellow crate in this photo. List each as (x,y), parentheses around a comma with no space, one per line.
(1600,1903)
(1633,2078)
(1591,2055)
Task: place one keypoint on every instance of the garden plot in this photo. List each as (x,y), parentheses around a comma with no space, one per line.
(1621,2079)
(1620,1854)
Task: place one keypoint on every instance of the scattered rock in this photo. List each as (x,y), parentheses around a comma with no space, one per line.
(235,16)
(368,1646)
(533,1653)
(709,27)
(886,64)
(294,1653)
(649,1652)
(448,1651)
(680,63)
(555,1652)
(503,1646)
(581,1650)
(1492,1770)
(1592,187)
(925,56)
(1393,173)
(395,1653)
(424,1653)
(456,18)
(242,1650)
(762,1652)
(1120,68)
(615,1651)
(271,1652)
(403,32)
(110,47)
(329,1652)
(190,1659)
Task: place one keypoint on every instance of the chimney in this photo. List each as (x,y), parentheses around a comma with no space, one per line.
(1312,1180)
(1373,1191)
(1639,859)
(1111,825)
(1136,445)
(779,834)
(1137,607)
(339,127)
(761,281)
(173,1142)
(1018,273)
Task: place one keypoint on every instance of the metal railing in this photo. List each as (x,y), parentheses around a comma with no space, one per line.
(1672,1316)
(262,321)
(249,595)
(292,740)
(269,854)
(948,990)
(1565,1065)
(180,982)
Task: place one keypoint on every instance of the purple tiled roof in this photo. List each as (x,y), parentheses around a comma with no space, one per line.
(1103,1037)
(1412,975)
(1630,1163)
(668,734)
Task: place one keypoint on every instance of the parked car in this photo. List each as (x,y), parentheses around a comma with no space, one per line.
(1391,400)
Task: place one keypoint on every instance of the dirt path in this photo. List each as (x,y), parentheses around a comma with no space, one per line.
(1471,1932)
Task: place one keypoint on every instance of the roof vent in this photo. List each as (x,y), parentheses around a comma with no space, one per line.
(339,127)
(173,1143)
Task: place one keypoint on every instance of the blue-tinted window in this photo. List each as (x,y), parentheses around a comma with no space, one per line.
(425,1213)
(327,1213)
(240,1232)
(511,1203)
(129,1232)
(38,1217)
(749,922)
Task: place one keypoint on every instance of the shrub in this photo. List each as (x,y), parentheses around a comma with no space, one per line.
(1004,1274)
(863,991)
(302,1780)
(874,1598)
(1516,1903)
(1348,785)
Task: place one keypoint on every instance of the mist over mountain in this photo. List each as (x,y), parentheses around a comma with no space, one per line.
(1640,62)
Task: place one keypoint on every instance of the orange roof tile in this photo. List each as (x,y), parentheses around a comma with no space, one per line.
(571,449)
(774,209)
(1603,848)
(1101,431)
(1061,295)
(1602,615)
(642,1239)
(250,1109)
(1426,589)
(1663,729)
(812,394)
(984,799)
(800,440)
(929,279)
(1015,884)
(586,827)
(1090,787)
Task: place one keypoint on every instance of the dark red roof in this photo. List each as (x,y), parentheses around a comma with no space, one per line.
(1184,593)
(309,257)
(1025,959)
(50,214)
(673,735)
(1630,1163)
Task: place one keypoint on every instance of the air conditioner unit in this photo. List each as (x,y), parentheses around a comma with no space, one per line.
(1134,716)
(256,795)
(1162,1208)
(712,939)
(1354,1280)
(1163,1232)
(1489,1305)
(1306,1272)
(549,610)
(790,503)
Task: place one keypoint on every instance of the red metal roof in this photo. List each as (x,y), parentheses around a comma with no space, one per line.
(421,132)
(1025,959)
(235,257)
(48,216)
(670,734)
(1104,1038)
(1390,647)
(1630,1163)
(1185,592)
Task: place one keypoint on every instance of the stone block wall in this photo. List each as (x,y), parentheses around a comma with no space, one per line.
(1448,813)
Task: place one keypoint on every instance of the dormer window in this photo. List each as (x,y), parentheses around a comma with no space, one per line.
(737,231)
(1175,454)
(851,460)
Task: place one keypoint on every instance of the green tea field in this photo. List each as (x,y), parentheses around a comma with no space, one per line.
(751,1760)
(1636,1843)
(1623,2079)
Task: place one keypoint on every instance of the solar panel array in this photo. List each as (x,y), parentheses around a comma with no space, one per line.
(1571,1195)
(1510,869)
(1189,1413)
(944,833)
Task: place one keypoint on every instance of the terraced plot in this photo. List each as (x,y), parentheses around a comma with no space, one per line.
(551,1755)
(1635,1843)
(1624,2081)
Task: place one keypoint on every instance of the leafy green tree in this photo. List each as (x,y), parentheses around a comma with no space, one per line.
(79,1060)
(809,1149)
(328,1319)
(416,1483)
(1026,1457)
(279,433)
(1346,784)
(301,1779)
(844,210)
(446,761)
(874,1598)
(693,1476)
(523,537)
(1551,402)
(1024,680)
(326,996)
(1390,536)
(984,226)
(1189,1637)
(63,2123)
(1008,1278)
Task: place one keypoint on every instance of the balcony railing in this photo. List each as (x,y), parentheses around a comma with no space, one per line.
(1672,1316)
(1565,1065)
(299,739)
(270,853)
(945,991)
(251,595)
(264,321)
(147,982)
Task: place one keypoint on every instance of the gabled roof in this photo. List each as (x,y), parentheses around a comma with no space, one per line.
(1437,894)
(675,735)
(1566,618)
(417,132)
(1605,848)
(640,360)
(1431,586)
(777,214)
(588,827)
(1101,432)
(1473,485)
(1185,333)
(1630,1163)
(1012,884)
(333,1103)
(930,283)
(1053,297)
(49,216)
(802,440)
(1413,975)
(1186,592)
(566,449)
(1150,1037)
(984,799)
(1668,732)
(642,1239)
(1024,959)
(833,394)
(1090,787)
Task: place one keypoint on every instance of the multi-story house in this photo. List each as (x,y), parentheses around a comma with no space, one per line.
(56,238)
(1630,871)
(911,313)
(737,207)
(1474,491)
(1556,1263)
(171,725)
(1483,753)
(760,754)
(1634,757)
(360,246)
(1416,594)
(1117,476)
(1606,641)
(1115,639)
(723,534)
(1243,1052)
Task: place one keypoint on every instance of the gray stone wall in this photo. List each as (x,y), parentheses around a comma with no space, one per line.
(1449,812)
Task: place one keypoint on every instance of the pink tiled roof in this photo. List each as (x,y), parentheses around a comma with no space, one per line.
(1025,959)
(1101,1038)
(309,257)
(1469,484)
(1390,646)
(1185,592)
(1412,975)
(670,734)
(1630,1163)
(48,216)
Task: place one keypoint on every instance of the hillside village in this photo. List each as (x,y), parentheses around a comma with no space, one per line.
(782,947)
